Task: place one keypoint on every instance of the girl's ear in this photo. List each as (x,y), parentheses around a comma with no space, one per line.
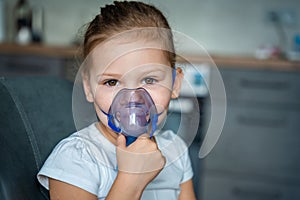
(87,88)
(177,83)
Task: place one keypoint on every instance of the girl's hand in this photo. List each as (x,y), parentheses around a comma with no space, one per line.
(142,161)
(138,165)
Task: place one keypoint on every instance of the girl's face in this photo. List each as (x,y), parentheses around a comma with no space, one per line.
(134,67)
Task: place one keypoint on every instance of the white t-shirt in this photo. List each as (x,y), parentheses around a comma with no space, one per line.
(86,159)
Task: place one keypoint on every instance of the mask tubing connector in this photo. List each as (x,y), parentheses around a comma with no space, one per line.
(130,139)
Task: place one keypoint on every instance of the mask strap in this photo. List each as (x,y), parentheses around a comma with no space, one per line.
(110,123)
(154,123)
(173,76)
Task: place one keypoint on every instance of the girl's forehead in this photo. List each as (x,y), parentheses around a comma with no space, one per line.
(121,56)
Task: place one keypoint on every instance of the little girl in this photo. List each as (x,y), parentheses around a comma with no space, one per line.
(129,76)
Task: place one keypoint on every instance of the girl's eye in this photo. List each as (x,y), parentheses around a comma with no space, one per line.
(112,82)
(149,81)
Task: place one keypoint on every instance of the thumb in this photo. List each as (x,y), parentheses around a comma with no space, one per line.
(121,141)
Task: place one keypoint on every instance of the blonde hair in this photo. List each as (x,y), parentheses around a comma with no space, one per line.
(129,15)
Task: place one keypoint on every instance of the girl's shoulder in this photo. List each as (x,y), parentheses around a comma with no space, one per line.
(172,146)
(78,160)
(167,138)
(87,144)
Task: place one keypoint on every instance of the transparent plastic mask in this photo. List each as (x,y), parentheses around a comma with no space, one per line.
(132,113)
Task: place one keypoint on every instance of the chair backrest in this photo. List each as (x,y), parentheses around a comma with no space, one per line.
(35,113)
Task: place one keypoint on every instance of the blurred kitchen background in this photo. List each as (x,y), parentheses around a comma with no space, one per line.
(230,27)
(254,43)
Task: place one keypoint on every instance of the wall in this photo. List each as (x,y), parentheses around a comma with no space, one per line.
(221,26)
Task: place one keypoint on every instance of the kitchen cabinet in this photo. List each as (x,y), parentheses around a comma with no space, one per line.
(257,154)
(238,188)
(30,65)
(34,59)
(261,86)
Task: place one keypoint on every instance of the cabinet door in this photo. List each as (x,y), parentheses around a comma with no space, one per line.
(253,86)
(11,65)
(258,141)
(224,188)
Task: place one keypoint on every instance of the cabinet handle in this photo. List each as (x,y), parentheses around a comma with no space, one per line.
(261,122)
(264,84)
(243,193)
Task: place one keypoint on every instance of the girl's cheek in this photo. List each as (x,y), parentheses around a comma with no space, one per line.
(101,116)
(161,97)
(103,98)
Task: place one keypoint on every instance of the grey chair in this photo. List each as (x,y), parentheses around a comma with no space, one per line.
(35,113)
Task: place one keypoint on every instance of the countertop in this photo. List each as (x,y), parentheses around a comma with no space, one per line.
(246,62)
(220,61)
(39,50)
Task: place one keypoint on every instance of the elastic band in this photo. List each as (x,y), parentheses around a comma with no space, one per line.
(173,76)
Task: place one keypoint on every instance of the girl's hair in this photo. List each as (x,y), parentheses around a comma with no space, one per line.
(125,16)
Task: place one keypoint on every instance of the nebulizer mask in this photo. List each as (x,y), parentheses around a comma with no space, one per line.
(132,113)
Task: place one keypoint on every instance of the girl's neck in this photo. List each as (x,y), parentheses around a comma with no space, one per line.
(107,133)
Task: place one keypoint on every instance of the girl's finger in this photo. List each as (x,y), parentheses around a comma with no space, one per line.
(121,141)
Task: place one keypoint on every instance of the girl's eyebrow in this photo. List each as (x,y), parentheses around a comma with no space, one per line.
(109,74)
(151,69)
(146,70)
